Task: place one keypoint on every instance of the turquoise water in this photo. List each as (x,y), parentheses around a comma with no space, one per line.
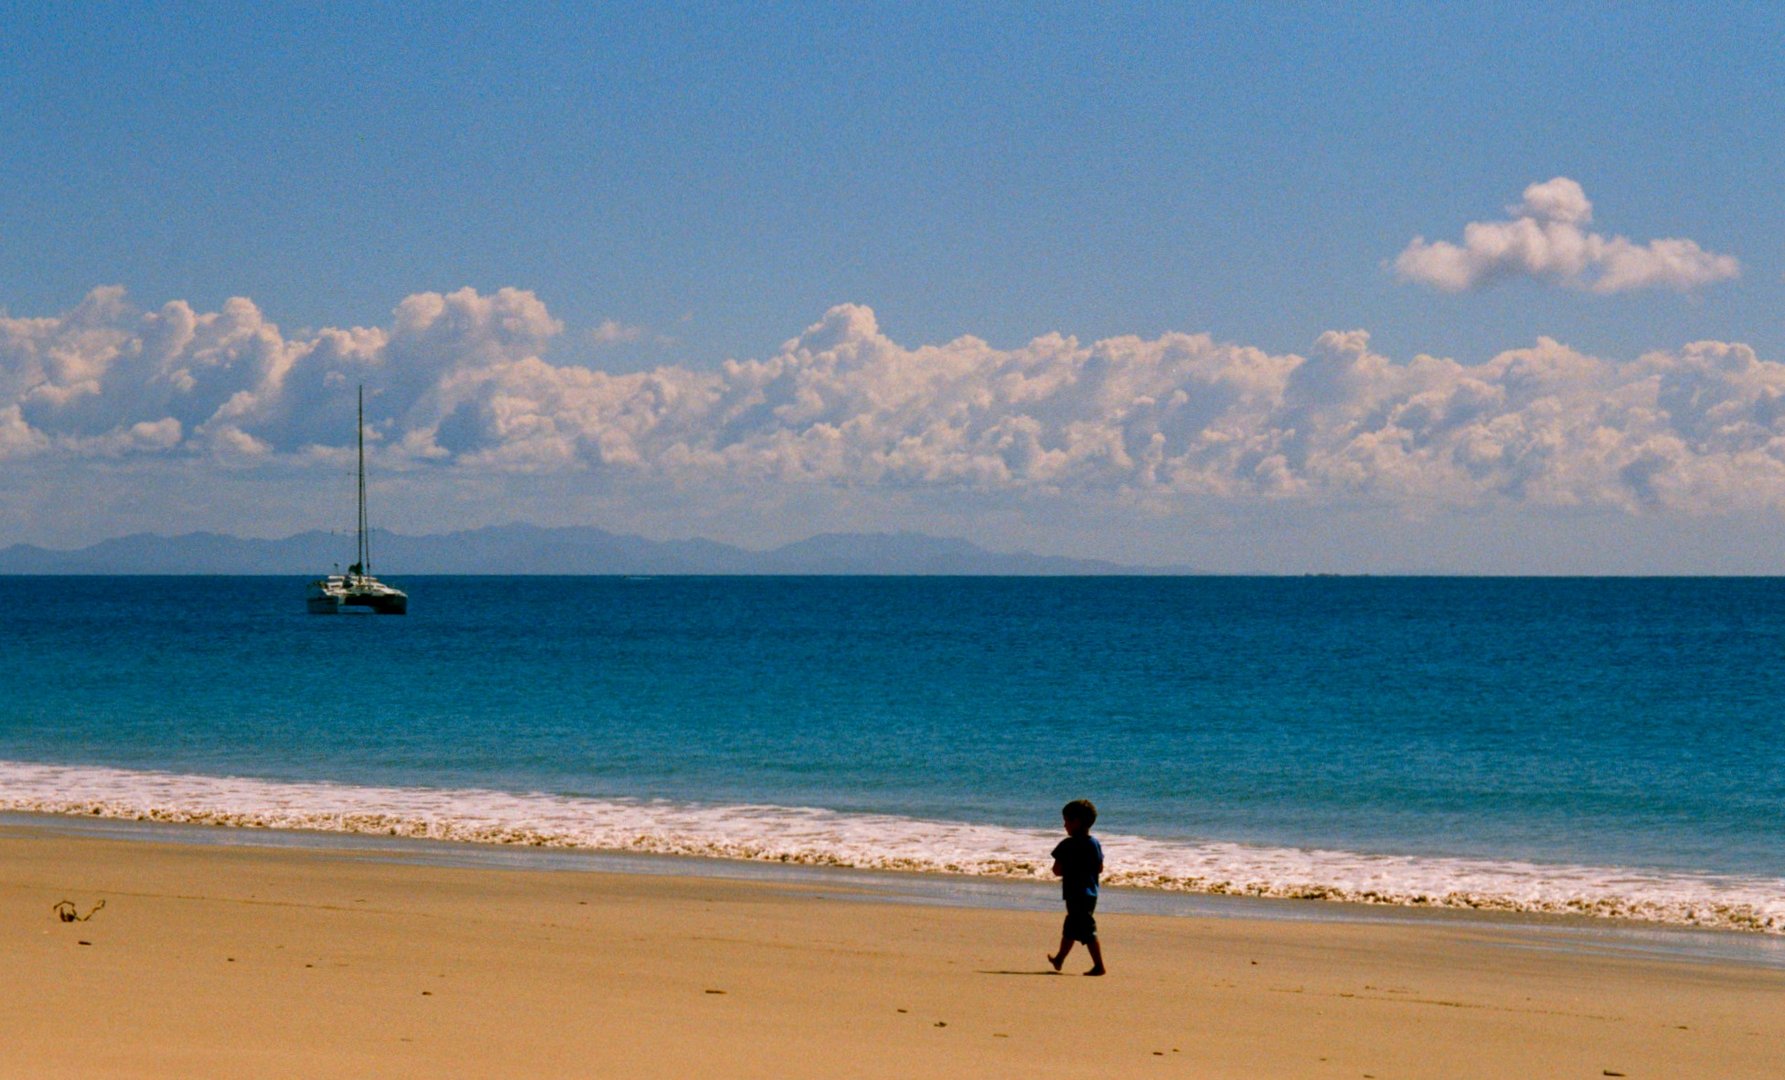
(1557,744)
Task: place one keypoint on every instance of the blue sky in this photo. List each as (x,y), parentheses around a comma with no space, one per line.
(709,181)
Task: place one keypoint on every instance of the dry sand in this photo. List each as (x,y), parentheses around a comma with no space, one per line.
(263,962)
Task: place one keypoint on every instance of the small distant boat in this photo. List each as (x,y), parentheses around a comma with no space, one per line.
(357,589)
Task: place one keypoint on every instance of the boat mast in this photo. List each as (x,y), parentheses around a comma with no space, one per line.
(365,545)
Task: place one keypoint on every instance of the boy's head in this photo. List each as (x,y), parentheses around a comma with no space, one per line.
(1079,815)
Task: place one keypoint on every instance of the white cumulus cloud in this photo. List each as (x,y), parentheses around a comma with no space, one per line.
(462,381)
(1547,238)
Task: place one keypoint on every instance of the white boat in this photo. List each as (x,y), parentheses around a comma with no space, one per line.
(357,589)
(355,592)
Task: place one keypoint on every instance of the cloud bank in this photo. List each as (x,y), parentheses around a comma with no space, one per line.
(460,381)
(1547,239)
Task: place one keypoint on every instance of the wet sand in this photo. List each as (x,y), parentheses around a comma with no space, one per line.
(277,962)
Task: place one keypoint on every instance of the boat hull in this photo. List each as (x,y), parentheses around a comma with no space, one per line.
(382,604)
(365,595)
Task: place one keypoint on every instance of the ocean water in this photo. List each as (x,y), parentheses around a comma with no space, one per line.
(1602,746)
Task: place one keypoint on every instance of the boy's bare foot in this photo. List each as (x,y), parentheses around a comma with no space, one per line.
(1098,970)
(1056,961)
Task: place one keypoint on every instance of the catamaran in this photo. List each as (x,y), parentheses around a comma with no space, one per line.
(357,589)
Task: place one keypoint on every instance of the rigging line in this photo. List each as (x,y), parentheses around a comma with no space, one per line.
(364,546)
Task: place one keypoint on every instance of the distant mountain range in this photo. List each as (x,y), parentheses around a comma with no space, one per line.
(531,549)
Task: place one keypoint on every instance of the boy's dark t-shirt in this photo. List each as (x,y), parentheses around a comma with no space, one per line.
(1081,861)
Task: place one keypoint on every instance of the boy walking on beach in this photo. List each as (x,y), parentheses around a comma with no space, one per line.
(1078,860)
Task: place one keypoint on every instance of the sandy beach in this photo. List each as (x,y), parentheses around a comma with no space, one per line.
(263,962)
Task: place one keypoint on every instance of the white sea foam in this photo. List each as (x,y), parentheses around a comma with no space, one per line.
(878,841)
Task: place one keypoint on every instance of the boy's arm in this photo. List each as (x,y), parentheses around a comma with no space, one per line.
(1057,871)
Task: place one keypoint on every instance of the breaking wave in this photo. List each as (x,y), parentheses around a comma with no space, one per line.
(889,842)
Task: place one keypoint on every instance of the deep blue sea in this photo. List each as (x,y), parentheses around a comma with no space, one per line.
(1612,746)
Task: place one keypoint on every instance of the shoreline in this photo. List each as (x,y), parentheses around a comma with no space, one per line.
(242,959)
(1560,932)
(767,833)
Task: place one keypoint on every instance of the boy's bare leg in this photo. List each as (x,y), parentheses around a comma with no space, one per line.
(1060,958)
(1096,957)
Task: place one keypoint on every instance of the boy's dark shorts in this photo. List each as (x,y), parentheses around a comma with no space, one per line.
(1081,925)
